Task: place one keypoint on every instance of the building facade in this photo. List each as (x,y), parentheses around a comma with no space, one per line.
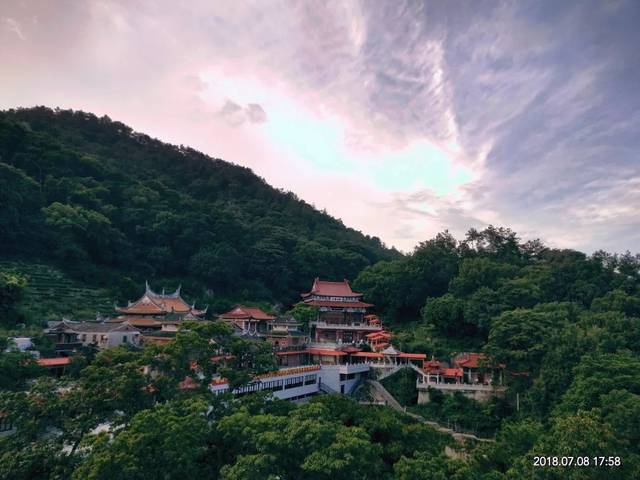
(341,315)
(99,334)
(251,321)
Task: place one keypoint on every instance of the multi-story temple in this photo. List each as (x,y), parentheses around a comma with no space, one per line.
(341,314)
(158,311)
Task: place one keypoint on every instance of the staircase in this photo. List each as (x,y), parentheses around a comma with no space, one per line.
(390,371)
(381,394)
(327,389)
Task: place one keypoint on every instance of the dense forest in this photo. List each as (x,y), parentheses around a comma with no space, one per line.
(566,324)
(110,206)
(113,207)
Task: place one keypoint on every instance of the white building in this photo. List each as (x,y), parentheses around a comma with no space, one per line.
(100,334)
(297,383)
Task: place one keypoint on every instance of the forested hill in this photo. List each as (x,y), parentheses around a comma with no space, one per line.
(114,207)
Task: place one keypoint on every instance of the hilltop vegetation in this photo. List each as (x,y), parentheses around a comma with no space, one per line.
(566,324)
(112,207)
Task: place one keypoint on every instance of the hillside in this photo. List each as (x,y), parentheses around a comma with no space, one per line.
(50,294)
(112,207)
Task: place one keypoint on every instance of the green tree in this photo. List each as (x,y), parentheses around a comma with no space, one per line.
(167,441)
(11,290)
(349,456)
(446,314)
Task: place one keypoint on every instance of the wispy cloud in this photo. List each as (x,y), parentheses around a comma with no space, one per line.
(13,26)
(237,115)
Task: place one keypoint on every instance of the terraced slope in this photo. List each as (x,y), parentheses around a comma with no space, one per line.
(50,294)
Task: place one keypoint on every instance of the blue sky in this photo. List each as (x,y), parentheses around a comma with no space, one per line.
(401,118)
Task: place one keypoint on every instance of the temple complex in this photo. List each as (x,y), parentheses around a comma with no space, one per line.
(342,346)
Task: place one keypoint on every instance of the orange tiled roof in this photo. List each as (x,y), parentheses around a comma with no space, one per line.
(152,303)
(54,362)
(331,289)
(244,313)
(416,356)
(368,354)
(474,360)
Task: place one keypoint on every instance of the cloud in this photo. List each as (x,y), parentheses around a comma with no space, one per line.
(14,26)
(401,118)
(236,115)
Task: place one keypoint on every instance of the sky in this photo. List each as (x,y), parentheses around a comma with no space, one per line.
(403,119)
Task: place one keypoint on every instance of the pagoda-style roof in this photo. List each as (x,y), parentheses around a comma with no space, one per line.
(390,350)
(240,312)
(325,288)
(474,360)
(91,327)
(159,304)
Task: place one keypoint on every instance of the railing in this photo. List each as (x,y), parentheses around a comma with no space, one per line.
(346,326)
(477,387)
(290,348)
(289,371)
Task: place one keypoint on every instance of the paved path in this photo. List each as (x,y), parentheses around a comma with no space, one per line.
(380,394)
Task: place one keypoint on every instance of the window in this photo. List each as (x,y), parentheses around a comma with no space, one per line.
(124,339)
(310,379)
(272,386)
(293,382)
(250,388)
(94,338)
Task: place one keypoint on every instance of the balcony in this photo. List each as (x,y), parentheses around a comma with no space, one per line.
(346,326)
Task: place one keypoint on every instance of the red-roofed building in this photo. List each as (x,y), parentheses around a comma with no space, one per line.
(470,374)
(341,314)
(250,320)
(379,340)
(478,369)
(55,366)
(158,311)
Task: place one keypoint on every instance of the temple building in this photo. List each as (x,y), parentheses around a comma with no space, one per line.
(249,321)
(341,314)
(471,374)
(284,333)
(158,311)
(101,334)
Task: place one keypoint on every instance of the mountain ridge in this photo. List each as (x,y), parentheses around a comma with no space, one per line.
(109,204)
